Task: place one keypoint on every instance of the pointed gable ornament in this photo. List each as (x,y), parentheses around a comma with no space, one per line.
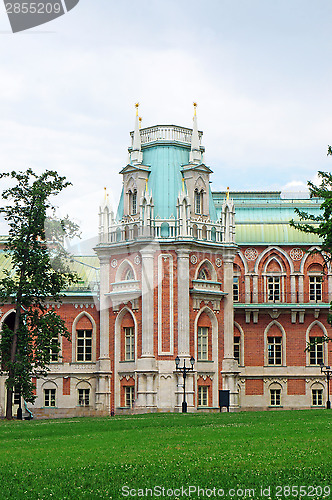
(195,153)
(136,155)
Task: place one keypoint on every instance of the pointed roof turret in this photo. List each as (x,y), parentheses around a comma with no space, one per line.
(136,155)
(195,153)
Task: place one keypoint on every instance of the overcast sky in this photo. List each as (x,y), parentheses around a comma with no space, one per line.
(260,71)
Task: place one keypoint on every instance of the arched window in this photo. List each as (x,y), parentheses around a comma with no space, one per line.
(203,275)
(315,273)
(134,203)
(275,344)
(275,395)
(129,275)
(84,338)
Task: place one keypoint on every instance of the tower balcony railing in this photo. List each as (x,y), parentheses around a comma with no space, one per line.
(166,133)
(164,229)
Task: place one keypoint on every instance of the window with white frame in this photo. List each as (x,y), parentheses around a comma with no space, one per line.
(129,396)
(273,288)
(315,288)
(274,346)
(17,396)
(49,397)
(129,343)
(203,395)
(54,350)
(202,343)
(84,345)
(316,350)
(237,346)
(275,397)
(83,397)
(236,295)
(317,397)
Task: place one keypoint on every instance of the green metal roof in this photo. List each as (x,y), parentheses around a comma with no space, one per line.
(87,268)
(262,217)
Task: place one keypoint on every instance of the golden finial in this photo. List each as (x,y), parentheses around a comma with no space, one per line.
(105,192)
(183,185)
(146,185)
(195,107)
(227,194)
(136,106)
(140,121)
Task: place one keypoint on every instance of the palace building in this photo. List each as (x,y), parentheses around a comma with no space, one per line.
(180,270)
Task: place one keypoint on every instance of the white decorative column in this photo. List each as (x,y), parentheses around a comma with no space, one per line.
(255,288)
(229,365)
(293,288)
(147,302)
(329,281)
(183,303)
(146,364)
(247,288)
(301,297)
(103,363)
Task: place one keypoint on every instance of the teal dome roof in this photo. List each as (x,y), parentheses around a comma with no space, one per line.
(165,179)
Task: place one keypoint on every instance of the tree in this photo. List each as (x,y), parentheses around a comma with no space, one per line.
(321,224)
(40,271)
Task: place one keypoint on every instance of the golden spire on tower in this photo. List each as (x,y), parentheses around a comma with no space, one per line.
(137,106)
(227,194)
(195,107)
(140,121)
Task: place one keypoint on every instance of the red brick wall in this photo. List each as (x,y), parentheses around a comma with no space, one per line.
(254,387)
(66,386)
(295,387)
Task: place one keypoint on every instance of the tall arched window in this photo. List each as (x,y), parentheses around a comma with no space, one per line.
(198,202)
(133,202)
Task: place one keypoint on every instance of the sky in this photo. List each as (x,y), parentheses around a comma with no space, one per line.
(260,71)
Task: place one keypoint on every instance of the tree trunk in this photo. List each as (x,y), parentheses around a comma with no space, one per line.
(9,404)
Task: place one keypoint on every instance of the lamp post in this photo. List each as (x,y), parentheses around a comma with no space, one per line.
(184,370)
(326,370)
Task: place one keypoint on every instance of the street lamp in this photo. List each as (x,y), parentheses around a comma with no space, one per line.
(184,370)
(326,370)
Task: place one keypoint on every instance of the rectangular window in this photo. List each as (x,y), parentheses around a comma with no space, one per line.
(198,203)
(83,397)
(236,289)
(17,396)
(237,349)
(275,395)
(134,203)
(203,395)
(129,344)
(49,397)
(274,346)
(84,345)
(129,396)
(202,343)
(316,350)
(273,288)
(54,351)
(317,397)
(315,288)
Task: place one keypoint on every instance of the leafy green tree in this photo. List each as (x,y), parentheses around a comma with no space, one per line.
(39,272)
(321,224)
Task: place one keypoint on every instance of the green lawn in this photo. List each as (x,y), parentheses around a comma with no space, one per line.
(96,458)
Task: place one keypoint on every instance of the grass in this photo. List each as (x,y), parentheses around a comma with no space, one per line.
(94,458)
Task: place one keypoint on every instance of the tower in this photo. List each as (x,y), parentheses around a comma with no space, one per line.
(167,276)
